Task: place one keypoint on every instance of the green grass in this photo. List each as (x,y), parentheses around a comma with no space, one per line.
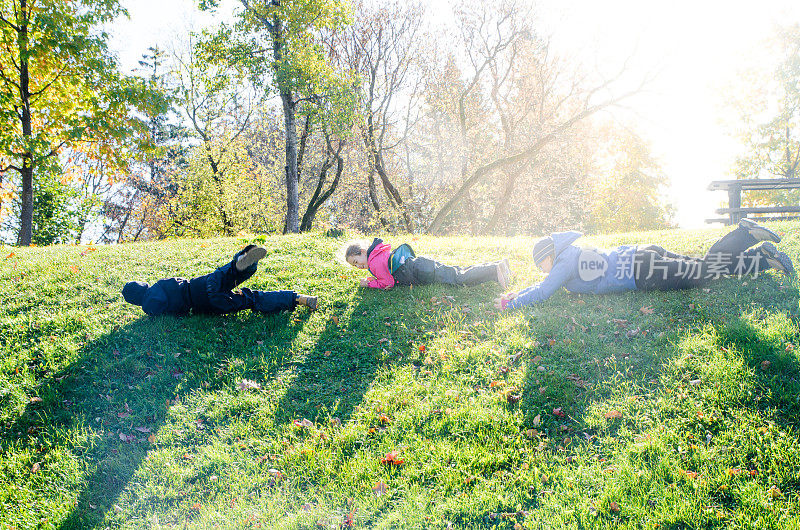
(111,419)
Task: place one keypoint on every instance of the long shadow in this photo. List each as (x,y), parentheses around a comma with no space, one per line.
(775,363)
(334,376)
(104,407)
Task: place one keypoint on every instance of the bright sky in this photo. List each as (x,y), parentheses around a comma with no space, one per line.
(697,46)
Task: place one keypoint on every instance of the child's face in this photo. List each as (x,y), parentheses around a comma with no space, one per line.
(359,260)
(547,264)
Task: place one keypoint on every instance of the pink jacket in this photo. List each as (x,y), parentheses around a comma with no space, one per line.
(378,263)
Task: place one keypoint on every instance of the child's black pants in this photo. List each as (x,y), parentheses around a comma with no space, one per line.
(423,271)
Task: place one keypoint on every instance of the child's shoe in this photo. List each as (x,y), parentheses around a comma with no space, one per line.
(308,301)
(776,259)
(759,232)
(250,257)
(503,274)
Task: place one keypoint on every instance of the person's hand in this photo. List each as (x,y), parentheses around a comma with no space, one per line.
(498,302)
(364,282)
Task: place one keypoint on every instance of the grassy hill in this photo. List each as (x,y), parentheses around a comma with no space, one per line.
(413,408)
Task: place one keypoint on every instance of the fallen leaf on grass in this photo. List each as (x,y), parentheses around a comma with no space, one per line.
(35,468)
(384,418)
(379,488)
(559,412)
(248,384)
(303,423)
(496,383)
(151,438)
(647,310)
(765,365)
(774,492)
(513,398)
(695,382)
(74,269)
(392,458)
(537,420)
(613,506)
(10,256)
(335,319)
(144,430)
(196,506)
(36,399)
(613,415)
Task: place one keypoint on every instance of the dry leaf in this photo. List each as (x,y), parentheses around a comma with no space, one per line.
(559,412)
(537,420)
(613,415)
(613,506)
(513,398)
(144,430)
(392,458)
(379,488)
(765,365)
(336,422)
(335,319)
(303,423)
(36,399)
(35,468)
(151,438)
(247,384)
(647,310)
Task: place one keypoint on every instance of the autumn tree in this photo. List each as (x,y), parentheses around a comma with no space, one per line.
(490,39)
(385,46)
(769,112)
(625,192)
(283,43)
(60,87)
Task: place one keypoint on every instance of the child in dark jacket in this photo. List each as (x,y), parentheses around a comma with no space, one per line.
(646,267)
(212,293)
(418,270)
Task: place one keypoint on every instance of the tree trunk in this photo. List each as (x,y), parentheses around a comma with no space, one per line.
(319,197)
(26,212)
(292,225)
(501,207)
(373,196)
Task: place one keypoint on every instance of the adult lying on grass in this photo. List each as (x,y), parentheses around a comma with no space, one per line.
(212,293)
(646,267)
(403,267)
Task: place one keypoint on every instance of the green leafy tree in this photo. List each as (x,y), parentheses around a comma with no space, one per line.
(293,59)
(60,87)
(772,138)
(626,193)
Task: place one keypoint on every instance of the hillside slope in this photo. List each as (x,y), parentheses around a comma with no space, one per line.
(413,408)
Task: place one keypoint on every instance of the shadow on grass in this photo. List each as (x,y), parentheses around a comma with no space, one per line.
(340,368)
(104,406)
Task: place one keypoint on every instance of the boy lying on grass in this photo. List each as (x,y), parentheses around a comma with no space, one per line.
(212,293)
(646,267)
(403,267)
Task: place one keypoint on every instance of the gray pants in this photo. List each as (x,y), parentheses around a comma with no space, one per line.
(424,271)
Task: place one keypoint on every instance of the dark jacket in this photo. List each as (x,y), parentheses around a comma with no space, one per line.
(177,296)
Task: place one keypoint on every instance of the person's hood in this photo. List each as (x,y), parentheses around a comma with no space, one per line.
(133,292)
(561,240)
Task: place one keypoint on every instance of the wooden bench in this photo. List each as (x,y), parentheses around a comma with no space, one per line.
(735,188)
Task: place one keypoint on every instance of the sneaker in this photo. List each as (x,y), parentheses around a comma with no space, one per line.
(759,232)
(251,256)
(504,274)
(776,259)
